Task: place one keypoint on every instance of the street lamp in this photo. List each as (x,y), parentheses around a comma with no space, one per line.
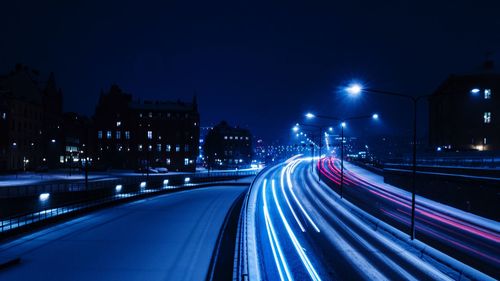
(355,90)
(343,124)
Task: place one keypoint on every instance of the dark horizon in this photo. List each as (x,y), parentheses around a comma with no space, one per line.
(242,58)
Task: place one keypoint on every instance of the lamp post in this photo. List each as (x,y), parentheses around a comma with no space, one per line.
(355,90)
(342,126)
(296,128)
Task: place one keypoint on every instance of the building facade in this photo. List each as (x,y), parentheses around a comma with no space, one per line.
(30,115)
(464,112)
(228,147)
(135,134)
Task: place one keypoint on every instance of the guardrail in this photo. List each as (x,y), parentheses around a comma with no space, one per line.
(79,185)
(241,260)
(112,191)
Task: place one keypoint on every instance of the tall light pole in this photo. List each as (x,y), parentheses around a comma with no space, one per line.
(357,89)
(321,129)
(342,126)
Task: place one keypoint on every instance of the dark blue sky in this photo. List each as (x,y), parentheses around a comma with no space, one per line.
(255,64)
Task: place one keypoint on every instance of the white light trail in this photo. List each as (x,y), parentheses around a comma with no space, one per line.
(300,250)
(290,187)
(282,177)
(275,246)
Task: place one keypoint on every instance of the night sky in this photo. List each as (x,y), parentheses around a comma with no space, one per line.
(260,65)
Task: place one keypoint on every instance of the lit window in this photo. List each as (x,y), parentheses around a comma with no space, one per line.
(118,124)
(168,148)
(235,138)
(99,134)
(150,147)
(158,147)
(487,94)
(484,141)
(487,117)
(150,134)
(186,147)
(127,135)
(139,147)
(168,161)
(177,148)
(108,134)
(186,161)
(225,137)
(118,135)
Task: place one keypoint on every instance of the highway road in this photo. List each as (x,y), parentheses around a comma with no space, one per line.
(302,230)
(168,237)
(470,238)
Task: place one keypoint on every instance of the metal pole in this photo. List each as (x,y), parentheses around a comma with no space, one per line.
(320,148)
(341,160)
(147,162)
(414,168)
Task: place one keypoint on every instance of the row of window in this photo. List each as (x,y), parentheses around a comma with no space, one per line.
(166,147)
(236,138)
(118,135)
(161,114)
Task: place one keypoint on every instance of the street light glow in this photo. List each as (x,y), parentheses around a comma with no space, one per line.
(354,89)
(44,197)
(295,128)
(375,116)
(309,115)
(330,129)
(343,124)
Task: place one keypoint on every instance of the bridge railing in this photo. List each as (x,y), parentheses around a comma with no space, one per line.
(54,200)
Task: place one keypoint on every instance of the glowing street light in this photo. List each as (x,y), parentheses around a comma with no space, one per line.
(295,128)
(309,115)
(354,89)
(343,124)
(375,116)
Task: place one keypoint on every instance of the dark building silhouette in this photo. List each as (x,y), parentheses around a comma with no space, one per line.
(228,147)
(75,140)
(134,134)
(30,116)
(464,112)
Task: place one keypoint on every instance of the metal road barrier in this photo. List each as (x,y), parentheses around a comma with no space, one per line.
(105,192)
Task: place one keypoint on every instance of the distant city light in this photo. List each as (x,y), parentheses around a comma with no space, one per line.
(118,188)
(165,182)
(330,129)
(53,140)
(354,89)
(143,184)
(44,197)
(439,148)
(295,128)
(187,180)
(375,116)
